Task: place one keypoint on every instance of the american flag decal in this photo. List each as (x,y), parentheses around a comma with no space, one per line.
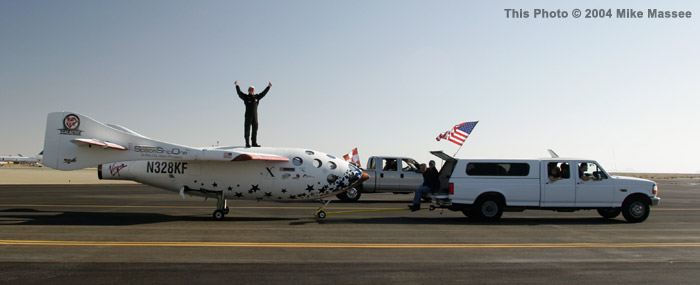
(459,133)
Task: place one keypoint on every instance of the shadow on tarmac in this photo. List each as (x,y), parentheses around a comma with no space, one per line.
(464,221)
(55,218)
(23,216)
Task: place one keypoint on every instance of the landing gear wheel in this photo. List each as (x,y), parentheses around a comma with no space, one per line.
(218,215)
(432,207)
(226,211)
(320,214)
(609,213)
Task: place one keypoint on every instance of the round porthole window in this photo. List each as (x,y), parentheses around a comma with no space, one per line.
(332,165)
(297,161)
(317,163)
(309,152)
(330,156)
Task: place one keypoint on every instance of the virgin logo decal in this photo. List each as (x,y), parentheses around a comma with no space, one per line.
(114,169)
(71,122)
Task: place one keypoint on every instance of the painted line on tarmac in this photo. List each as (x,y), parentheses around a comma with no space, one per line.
(341,245)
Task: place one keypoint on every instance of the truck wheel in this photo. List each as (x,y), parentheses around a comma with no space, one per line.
(488,208)
(352,195)
(609,213)
(635,210)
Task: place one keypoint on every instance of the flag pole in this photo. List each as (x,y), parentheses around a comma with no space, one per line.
(460,147)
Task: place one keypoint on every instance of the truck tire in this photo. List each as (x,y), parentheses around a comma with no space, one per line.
(635,209)
(488,208)
(609,213)
(352,195)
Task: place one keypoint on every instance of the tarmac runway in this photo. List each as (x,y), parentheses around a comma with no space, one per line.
(138,234)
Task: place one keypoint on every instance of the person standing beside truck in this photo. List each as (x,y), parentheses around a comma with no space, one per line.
(251,112)
(431,184)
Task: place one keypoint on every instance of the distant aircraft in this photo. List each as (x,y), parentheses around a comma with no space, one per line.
(19,158)
(75,141)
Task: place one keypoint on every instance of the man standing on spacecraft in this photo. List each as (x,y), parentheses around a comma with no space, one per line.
(251,111)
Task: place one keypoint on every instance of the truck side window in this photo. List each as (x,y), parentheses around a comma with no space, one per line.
(371,164)
(565,170)
(390,164)
(557,171)
(497,169)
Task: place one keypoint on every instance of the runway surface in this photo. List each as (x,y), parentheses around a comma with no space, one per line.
(132,233)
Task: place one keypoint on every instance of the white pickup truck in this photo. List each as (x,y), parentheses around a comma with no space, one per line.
(387,174)
(484,188)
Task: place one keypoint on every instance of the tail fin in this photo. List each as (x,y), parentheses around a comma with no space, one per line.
(74,141)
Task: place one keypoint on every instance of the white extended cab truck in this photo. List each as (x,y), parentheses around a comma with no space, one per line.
(484,188)
(387,174)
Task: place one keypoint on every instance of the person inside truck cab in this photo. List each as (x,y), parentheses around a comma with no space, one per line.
(582,168)
(554,172)
(390,165)
(565,171)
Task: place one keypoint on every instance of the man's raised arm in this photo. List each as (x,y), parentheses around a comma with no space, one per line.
(238,90)
(262,94)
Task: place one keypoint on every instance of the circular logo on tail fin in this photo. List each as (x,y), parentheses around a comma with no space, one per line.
(71,122)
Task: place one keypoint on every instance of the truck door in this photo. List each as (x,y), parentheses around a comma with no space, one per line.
(411,177)
(593,186)
(558,188)
(389,176)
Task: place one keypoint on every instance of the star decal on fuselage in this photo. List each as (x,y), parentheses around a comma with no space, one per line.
(239,194)
(309,188)
(254,188)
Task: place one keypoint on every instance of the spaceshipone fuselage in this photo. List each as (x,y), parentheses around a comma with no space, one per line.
(75,141)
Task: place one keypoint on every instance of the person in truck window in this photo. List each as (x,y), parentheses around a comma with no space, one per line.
(390,165)
(431,184)
(582,168)
(565,171)
(554,172)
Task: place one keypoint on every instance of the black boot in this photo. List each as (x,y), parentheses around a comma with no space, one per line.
(247,143)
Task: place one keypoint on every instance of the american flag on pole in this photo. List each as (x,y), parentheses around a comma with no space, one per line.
(353,157)
(459,133)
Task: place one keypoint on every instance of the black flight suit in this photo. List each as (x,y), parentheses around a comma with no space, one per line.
(251,113)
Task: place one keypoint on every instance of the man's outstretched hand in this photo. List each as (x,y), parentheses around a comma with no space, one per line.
(236,83)
(268,85)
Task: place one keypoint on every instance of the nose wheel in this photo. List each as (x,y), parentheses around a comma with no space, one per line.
(321,214)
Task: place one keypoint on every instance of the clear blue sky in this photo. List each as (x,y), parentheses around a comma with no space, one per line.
(384,76)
